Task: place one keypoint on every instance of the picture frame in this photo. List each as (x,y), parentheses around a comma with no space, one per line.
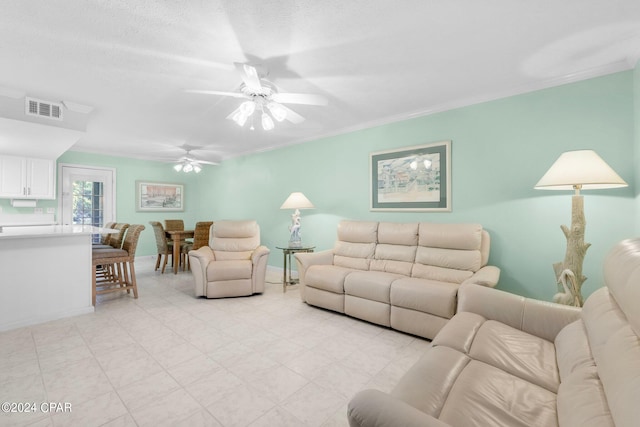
(159,197)
(416,178)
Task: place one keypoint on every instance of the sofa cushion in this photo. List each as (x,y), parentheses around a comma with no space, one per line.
(616,351)
(428,382)
(440,274)
(487,396)
(518,353)
(392,233)
(582,401)
(358,231)
(229,270)
(429,296)
(327,277)
(353,255)
(373,285)
(572,350)
(356,244)
(450,236)
(449,258)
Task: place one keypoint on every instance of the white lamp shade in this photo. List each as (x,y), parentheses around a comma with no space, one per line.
(297,201)
(583,168)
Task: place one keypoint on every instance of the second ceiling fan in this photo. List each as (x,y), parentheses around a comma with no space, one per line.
(262,96)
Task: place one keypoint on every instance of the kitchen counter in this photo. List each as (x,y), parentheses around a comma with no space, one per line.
(45,273)
(49,231)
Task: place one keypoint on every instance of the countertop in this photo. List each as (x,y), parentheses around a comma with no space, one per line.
(51,231)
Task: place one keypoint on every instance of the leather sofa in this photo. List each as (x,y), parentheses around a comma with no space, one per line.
(504,360)
(233,264)
(400,275)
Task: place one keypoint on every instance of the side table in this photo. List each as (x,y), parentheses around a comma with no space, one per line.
(287,252)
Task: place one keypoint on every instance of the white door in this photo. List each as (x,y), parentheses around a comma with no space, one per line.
(86,195)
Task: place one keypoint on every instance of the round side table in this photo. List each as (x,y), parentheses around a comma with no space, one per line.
(287,251)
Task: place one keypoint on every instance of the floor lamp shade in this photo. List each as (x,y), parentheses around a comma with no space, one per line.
(576,170)
(581,169)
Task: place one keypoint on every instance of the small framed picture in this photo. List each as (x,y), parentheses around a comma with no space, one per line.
(159,197)
(412,178)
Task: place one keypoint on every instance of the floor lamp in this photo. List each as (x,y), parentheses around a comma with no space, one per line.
(296,201)
(576,170)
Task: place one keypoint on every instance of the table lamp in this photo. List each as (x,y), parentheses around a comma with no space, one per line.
(296,201)
(576,170)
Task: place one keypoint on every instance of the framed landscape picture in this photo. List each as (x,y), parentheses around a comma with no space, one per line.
(412,178)
(159,197)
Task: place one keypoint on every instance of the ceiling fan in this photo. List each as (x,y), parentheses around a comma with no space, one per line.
(188,163)
(263,96)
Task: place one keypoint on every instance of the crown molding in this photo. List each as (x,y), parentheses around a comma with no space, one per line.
(623,65)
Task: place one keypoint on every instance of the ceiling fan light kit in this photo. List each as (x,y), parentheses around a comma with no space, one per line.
(262,95)
(188,166)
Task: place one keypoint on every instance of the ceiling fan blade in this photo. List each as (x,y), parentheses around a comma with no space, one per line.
(300,98)
(249,76)
(217,92)
(230,116)
(292,116)
(205,162)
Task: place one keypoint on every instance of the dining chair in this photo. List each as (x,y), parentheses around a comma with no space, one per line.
(163,245)
(200,239)
(119,265)
(104,238)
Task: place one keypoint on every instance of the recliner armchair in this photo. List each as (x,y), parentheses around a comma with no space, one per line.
(233,264)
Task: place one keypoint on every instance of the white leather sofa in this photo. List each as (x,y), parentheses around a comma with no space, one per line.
(505,360)
(401,275)
(234,264)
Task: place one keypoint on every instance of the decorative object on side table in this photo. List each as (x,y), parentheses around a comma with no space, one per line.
(296,201)
(576,170)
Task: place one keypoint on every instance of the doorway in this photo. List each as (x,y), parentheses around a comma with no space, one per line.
(86,195)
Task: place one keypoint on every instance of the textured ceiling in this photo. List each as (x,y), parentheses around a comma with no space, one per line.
(375,60)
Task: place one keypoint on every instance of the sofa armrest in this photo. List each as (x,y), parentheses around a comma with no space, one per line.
(261,251)
(486,276)
(259,259)
(371,408)
(539,318)
(198,261)
(304,260)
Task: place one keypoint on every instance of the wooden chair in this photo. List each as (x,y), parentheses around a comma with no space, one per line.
(164,246)
(119,265)
(200,239)
(104,239)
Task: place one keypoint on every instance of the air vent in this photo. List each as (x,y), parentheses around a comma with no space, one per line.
(40,108)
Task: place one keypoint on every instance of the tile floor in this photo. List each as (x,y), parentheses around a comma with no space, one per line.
(169,359)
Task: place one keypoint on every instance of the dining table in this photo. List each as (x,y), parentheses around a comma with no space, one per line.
(177,237)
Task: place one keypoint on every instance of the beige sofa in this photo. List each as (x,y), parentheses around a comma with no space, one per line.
(504,360)
(402,275)
(233,264)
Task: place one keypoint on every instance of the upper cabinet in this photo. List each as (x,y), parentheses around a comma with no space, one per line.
(27,178)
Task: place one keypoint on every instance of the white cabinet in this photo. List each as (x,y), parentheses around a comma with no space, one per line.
(27,178)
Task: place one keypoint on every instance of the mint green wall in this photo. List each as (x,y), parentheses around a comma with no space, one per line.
(128,171)
(499,151)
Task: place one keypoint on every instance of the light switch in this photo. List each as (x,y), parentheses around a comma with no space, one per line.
(37,210)
(51,210)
